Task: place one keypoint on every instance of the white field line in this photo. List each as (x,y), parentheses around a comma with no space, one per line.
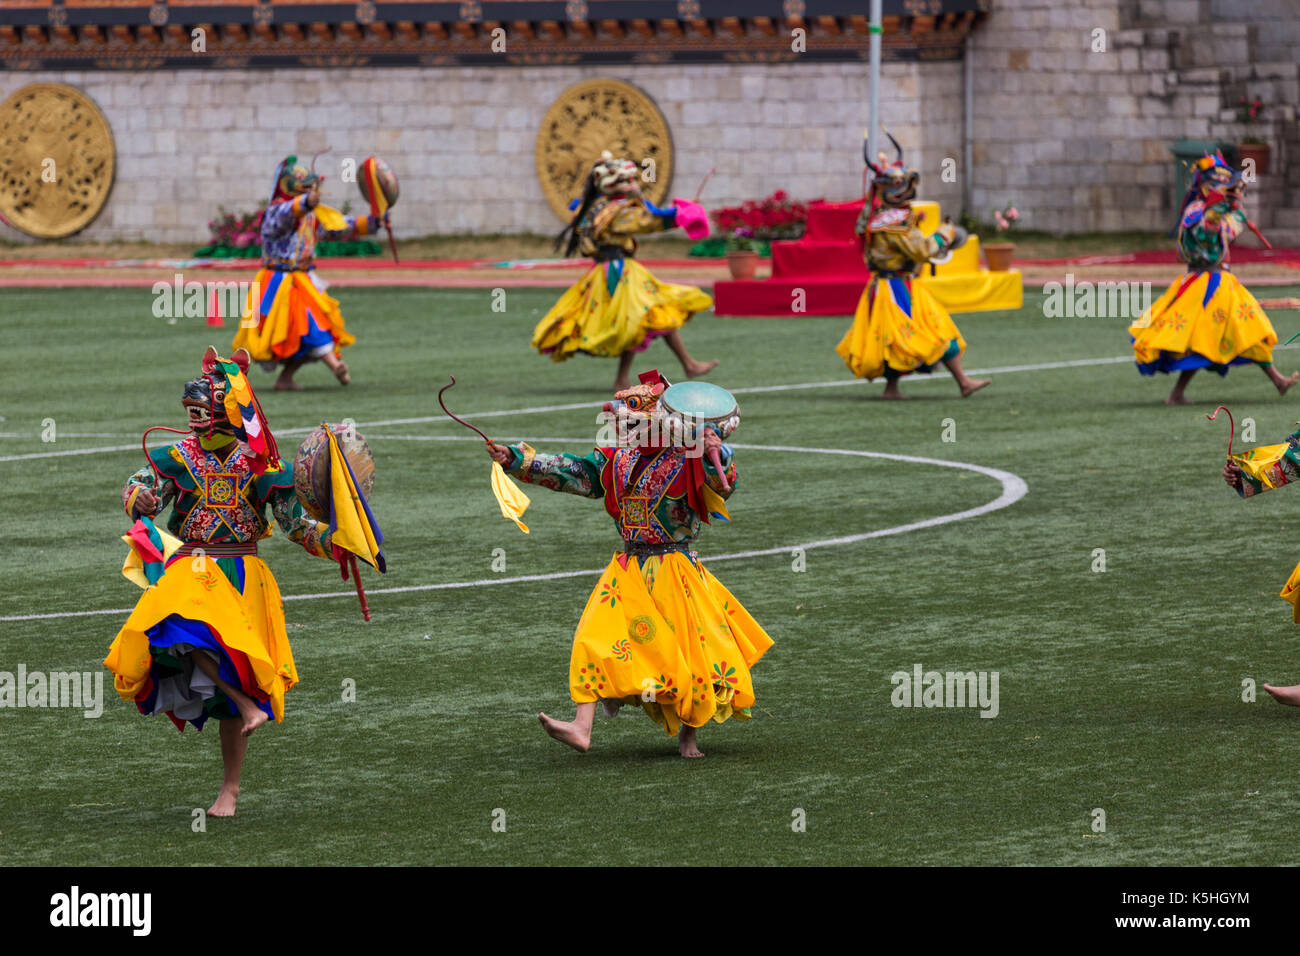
(1013,489)
(575,406)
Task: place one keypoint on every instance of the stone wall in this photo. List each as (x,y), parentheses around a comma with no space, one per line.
(462,140)
(1080,139)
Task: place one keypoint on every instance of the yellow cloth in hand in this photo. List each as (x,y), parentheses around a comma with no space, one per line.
(352,530)
(1259,462)
(133,566)
(510,496)
(331,218)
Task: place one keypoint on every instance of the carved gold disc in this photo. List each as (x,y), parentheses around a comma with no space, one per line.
(597,115)
(56,160)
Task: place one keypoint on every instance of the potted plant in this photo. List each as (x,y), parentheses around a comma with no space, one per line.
(998,254)
(742,253)
(1252,147)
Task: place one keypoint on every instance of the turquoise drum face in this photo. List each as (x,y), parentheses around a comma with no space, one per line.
(696,404)
(699,400)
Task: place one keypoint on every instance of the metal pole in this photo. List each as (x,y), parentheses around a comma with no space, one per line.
(968,130)
(874,28)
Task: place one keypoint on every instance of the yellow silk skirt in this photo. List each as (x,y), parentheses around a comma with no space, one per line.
(1213,323)
(1291,593)
(249,624)
(900,328)
(589,318)
(276,317)
(662,632)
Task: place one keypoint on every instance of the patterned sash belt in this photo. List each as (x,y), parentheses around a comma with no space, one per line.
(225,549)
(639,549)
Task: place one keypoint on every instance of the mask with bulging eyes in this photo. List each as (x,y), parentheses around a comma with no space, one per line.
(635,414)
(204,402)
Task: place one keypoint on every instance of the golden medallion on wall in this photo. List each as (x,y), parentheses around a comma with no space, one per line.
(597,115)
(56,160)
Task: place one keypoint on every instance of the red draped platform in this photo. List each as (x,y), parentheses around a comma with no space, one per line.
(826,263)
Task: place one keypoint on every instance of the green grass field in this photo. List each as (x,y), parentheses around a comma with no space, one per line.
(1119,690)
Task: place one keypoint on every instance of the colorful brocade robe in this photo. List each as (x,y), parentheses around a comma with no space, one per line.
(290,231)
(898,246)
(218,499)
(654,495)
(1204,233)
(614,222)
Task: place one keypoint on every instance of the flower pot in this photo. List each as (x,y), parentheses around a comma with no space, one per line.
(742,263)
(998,255)
(1259,152)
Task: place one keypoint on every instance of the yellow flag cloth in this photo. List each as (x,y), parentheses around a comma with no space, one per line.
(353,531)
(715,503)
(510,497)
(330,218)
(1258,462)
(133,566)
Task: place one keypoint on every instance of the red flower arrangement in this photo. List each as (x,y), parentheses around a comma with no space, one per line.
(776,217)
(237,231)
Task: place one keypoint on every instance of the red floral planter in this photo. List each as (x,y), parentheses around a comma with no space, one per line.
(742,263)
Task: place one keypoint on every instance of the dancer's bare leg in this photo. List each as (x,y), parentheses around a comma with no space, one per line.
(1280,382)
(1176,397)
(234,744)
(690,366)
(686,745)
(252,715)
(623,379)
(577,732)
(1285,695)
(285,382)
(338,367)
(891,388)
(969,386)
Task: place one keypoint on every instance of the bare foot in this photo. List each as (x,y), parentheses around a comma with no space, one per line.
(892,393)
(973,385)
(287,385)
(565,733)
(255,718)
(696,369)
(225,805)
(1286,383)
(686,742)
(341,373)
(1285,695)
(1176,400)
(620,384)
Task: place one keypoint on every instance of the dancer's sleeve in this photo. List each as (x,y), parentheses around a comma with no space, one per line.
(300,527)
(357,227)
(1269,467)
(637,218)
(142,479)
(571,474)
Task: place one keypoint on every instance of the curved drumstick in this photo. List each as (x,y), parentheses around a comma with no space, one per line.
(1231,424)
(457,417)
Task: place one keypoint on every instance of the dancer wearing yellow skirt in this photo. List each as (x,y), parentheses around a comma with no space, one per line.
(618,307)
(289,318)
(1259,470)
(898,327)
(1207,319)
(658,630)
(207,637)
